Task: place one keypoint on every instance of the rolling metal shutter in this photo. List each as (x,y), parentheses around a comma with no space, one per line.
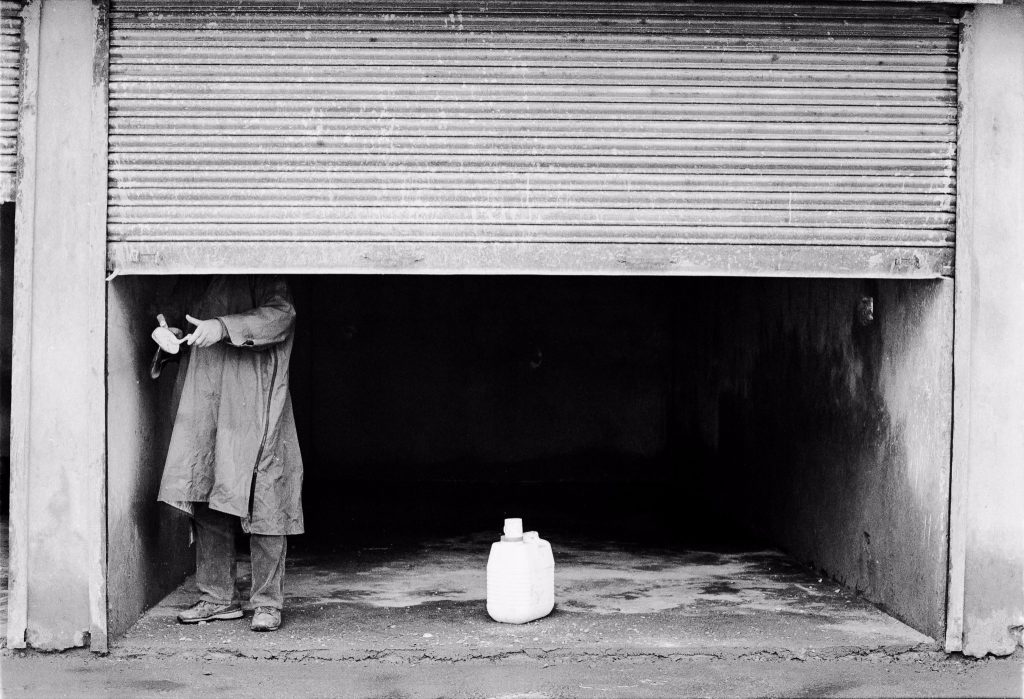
(10,68)
(755,135)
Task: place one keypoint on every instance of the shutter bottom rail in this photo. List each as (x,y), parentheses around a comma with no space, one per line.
(529,258)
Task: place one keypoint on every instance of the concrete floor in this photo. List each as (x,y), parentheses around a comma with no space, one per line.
(409,621)
(426,602)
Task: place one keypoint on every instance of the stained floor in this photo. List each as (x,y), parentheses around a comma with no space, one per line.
(427,601)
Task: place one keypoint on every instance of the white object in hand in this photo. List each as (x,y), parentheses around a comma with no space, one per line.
(520,576)
(162,335)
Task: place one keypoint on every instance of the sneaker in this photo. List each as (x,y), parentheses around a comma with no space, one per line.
(265,619)
(209,611)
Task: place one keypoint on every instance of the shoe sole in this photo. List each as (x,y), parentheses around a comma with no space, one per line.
(261,629)
(237,614)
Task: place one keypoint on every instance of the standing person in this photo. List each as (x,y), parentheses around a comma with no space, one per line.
(234,454)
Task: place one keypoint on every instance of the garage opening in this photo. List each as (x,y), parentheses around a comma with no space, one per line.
(766,457)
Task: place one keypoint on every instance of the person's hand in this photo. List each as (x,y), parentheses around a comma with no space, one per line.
(207,332)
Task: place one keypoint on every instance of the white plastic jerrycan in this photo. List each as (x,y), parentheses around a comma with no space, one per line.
(520,576)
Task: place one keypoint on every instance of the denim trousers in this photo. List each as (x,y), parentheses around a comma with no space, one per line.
(216,566)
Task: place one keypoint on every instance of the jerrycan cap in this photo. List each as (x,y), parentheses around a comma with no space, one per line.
(513,529)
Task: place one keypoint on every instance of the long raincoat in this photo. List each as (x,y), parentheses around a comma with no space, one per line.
(234,444)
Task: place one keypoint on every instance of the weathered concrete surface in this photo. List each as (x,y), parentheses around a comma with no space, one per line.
(830,430)
(148,544)
(987,529)
(74,674)
(427,602)
(58,559)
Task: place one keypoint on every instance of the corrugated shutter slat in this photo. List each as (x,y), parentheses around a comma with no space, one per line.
(10,68)
(687,122)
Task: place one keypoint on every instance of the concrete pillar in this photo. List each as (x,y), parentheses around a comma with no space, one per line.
(985,611)
(57,546)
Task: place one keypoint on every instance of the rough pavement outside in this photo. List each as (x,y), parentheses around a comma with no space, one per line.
(78,674)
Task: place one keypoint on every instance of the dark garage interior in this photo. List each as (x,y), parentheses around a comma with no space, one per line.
(808,416)
(463,399)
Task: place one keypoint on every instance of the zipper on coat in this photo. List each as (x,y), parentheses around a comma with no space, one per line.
(266,432)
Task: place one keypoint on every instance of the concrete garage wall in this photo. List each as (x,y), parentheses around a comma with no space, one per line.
(57,545)
(830,433)
(986,600)
(148,543)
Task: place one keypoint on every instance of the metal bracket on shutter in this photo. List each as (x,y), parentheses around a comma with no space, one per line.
(392,259)
(642,264)
(906,263)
